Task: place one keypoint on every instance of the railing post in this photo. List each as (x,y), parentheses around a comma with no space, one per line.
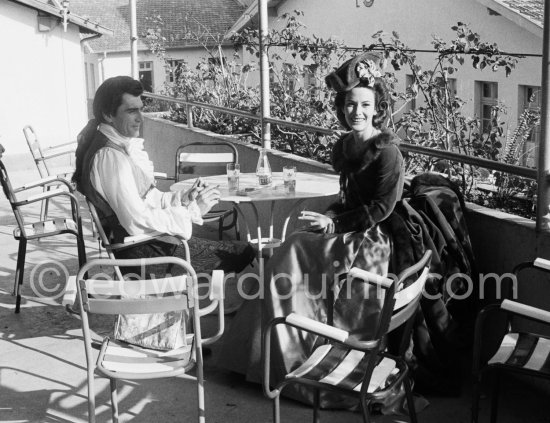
(264,75)
(133,40)
(543,192)
(189,112)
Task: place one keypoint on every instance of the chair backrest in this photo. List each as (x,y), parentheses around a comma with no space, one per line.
(10,195)
(36,151)
(100,294)
(203,159)
(103,295)
(103,237)
(405,301)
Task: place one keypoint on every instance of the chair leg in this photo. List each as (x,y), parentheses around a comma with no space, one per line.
(364,410)
(19,272)
(494,400)
(91,397)
(237,228)
(410,399)
(316,404)
(80,245)
(276,410)
(114,400)
(476,392)
(200,386)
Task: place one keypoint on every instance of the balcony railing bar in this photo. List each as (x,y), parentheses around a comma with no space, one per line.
(431,152)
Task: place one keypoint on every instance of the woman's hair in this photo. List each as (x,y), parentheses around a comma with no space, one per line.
(381,99)
(107,100)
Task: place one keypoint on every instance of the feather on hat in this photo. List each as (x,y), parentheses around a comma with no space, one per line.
(362,68)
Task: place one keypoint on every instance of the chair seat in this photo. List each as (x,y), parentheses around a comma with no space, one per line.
(524,351)
(47,228)
(125,361)
(338,366)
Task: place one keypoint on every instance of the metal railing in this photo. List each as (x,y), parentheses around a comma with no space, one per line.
(524,172)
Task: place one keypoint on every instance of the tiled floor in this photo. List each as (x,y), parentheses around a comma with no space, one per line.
(43,379)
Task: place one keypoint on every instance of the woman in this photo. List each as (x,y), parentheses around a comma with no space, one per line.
(349,234)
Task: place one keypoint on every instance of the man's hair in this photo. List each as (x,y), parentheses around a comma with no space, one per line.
(108,96)
(381,99)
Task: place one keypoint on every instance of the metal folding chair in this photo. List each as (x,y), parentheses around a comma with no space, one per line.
(123,361)
(361,369)
(42,156)
(521,351)
(205,159)
(36,230)
(129,241)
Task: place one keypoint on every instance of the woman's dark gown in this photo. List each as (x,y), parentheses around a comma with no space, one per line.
(308,265)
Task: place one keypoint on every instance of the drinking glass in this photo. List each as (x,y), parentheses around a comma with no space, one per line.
(233,173)
(289,177)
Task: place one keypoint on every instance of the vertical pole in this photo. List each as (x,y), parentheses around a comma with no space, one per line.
(264,75)
(133,39)
(543,193)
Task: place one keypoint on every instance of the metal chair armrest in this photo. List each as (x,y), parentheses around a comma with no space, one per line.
(542,263)
(50,180)
(51,194)
(310,325)
(163,176)
(526,311)
(69,296)
(216,297)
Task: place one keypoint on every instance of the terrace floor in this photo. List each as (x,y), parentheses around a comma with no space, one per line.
(42,364)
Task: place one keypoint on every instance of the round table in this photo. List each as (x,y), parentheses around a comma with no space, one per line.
(308,185)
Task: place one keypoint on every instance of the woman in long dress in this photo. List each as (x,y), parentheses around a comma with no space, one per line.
(307,267)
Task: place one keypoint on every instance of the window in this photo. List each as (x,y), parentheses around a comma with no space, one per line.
(310,79)
(289,77)
(172,69)
(530,98)
(146,75)
(451,88)
(487,98)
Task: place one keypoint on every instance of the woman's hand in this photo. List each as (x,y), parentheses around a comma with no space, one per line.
(317,221)
(207,198)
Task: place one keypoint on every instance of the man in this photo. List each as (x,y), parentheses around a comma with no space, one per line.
(115,174)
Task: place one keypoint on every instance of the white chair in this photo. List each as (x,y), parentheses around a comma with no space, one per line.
(123,361)
(361,369)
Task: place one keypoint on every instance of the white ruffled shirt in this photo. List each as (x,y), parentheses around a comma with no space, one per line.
(114,180)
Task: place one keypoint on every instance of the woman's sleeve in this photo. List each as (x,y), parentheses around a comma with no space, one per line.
(387,191)
(113,178)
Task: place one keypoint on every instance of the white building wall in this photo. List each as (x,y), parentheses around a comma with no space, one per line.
(416,21)
(44,82)
(114,64)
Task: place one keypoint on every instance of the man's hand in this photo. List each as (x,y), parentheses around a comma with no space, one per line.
(207,198)
(192,194)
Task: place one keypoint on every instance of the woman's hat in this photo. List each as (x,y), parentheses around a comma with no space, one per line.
(362,68)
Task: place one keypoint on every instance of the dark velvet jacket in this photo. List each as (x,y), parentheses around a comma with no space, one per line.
(371,182)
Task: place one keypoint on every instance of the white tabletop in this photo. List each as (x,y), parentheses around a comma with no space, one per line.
(308,185)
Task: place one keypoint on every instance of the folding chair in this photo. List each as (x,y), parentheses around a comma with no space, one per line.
(205,159)
(344,364)
(129,241)
(520,351)
(36,230)
(122,361)
(42,156)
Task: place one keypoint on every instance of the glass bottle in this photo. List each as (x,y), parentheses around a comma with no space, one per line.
(263,170)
